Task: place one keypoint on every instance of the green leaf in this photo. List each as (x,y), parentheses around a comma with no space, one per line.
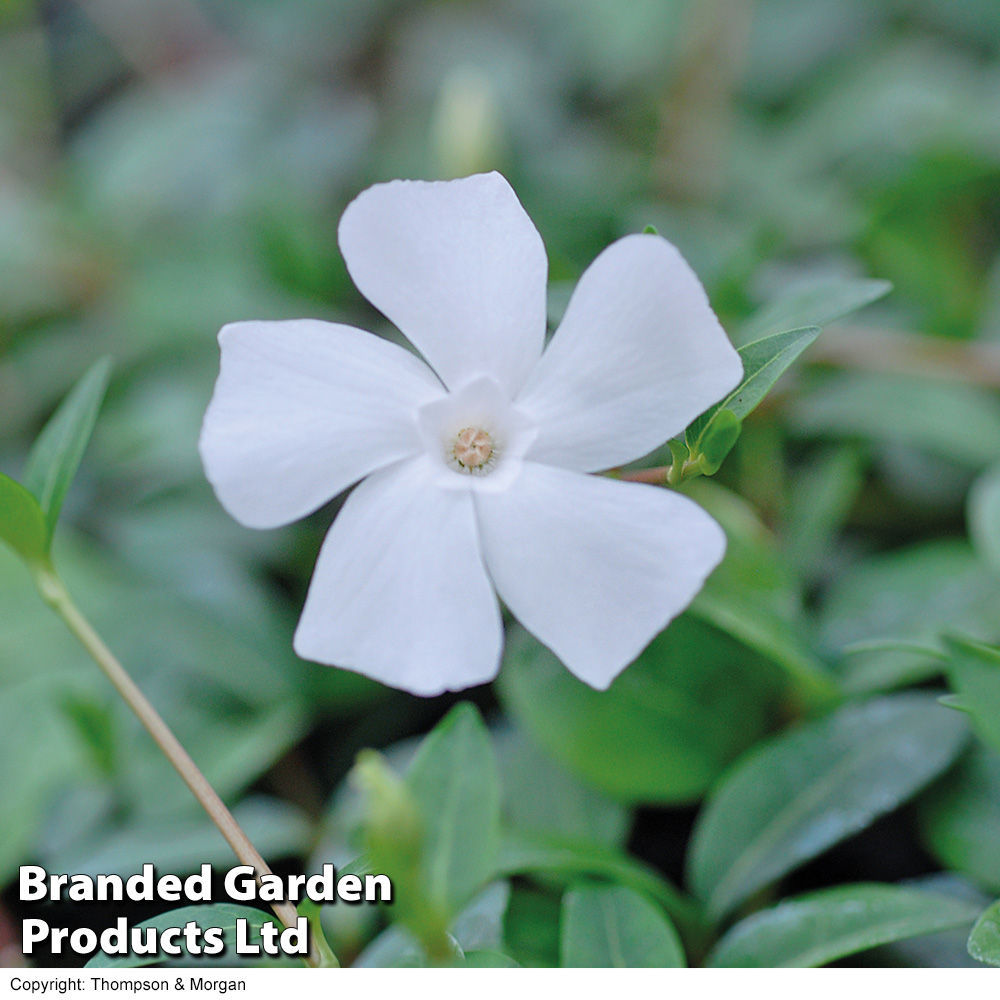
(813,930)
(806,790)
(478,928)
(57,452)
(974,673)
(489,960)
(822,495)
(610,927)
(222,915)
(667,726)
(540,796)
(960,817)
(904,600)
(984,941)
(181,843)
(816,305)
(566,861)
(983,516)
(40,754)
(22,523)
(531,927)
(753,597)
(958,423)
(455,782)
(764,361)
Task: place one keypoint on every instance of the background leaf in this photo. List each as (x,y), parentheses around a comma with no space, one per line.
(455,783)
(609,927)
(798,795)
(959,424)
(960,816)
(222,915)
(665,728)
(974,672)
(815,304)
(540,796)
(754,597)
(566,861)
(817,929)
(984,941)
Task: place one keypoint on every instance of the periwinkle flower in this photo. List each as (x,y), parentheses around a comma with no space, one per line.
(472,464)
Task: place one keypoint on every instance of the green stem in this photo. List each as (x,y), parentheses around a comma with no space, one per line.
(54,593)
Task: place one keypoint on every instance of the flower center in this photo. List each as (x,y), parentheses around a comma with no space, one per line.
(472,449)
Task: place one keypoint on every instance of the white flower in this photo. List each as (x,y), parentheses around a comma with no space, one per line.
(473,465)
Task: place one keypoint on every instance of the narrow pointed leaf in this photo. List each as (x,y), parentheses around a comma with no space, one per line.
(807,790)
(57,452)
(819,305)
(610,927)
(819,928)
(764,361)
(22,524)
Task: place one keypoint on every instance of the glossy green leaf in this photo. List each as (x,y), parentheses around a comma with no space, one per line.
(57,452)
(808,789)
(974,673)
(764,361)
(814,930)
(818,304)
(960,817)
(455,782)
(222,915)
(984,941)
(665,728)
(610,927)
(22,523)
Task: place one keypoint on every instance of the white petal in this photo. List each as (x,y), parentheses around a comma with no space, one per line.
(458,267)
(301,410)
(400,592)
(638,355)
(595,568)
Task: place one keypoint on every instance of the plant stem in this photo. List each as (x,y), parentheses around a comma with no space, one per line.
(55,594)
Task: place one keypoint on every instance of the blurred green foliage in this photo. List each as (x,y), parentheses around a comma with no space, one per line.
(168,168)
